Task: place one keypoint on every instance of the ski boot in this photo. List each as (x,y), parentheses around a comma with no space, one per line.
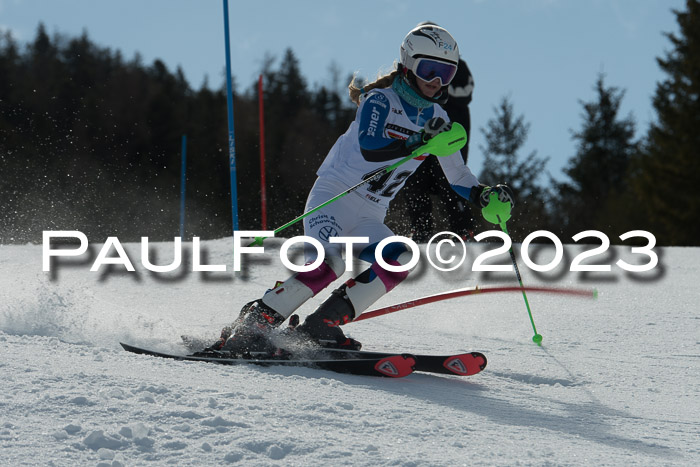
(323,325)
(250,332)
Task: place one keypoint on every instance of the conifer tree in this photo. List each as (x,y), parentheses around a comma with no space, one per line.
(90,141)
(598,171)
(667,179)
(505,136)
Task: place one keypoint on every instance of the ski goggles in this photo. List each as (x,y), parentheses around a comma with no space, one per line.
(428,69)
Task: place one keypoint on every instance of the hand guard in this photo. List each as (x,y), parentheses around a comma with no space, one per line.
(496,202)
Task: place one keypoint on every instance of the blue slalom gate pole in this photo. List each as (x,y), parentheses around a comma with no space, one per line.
(182,186)
(231,139)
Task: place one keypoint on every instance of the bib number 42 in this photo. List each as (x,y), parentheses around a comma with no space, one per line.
(386,184)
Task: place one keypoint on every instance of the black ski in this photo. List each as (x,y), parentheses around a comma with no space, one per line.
(461,364)
(390,365)
(464,364)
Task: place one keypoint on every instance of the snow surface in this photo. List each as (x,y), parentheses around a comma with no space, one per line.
(616,381)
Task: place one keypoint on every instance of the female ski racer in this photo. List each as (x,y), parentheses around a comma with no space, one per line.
(397,113)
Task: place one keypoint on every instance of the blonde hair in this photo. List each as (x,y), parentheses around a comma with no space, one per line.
(355,90)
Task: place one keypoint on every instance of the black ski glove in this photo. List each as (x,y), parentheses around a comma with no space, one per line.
(505,194)
(481,194)
(432,127)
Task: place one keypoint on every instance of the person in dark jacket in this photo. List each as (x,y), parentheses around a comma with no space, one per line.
(429,179)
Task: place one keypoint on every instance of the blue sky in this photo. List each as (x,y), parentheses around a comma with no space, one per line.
(544,54)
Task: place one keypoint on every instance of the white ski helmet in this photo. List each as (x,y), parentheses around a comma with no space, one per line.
(428,52)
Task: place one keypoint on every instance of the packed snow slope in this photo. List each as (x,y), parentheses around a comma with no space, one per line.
(616,381)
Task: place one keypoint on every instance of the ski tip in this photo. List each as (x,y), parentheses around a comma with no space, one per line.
(466,364)
(133,349)
(396,366)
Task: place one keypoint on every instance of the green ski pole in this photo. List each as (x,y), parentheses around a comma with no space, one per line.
(442,144)
(498,212)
